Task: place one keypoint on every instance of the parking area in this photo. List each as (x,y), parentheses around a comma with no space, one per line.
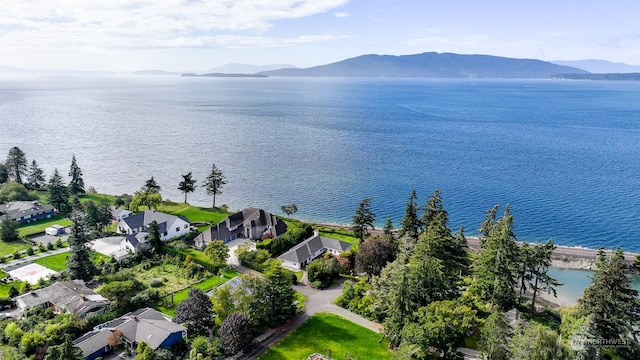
(110,246)
(29,272)
(46,239)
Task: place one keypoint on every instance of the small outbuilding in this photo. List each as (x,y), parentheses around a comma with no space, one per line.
(54,230)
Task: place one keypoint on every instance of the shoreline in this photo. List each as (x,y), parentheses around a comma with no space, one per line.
(563,257)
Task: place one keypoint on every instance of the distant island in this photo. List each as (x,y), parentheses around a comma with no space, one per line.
(601,77)
(154,72)
(433,65)
(222,75)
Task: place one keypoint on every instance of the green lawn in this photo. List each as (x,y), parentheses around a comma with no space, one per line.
(327,331)
(97,198)
(10,247)
(39,226)
(56,262)
(339,236)
(193,213)
(4,288)
(204,285)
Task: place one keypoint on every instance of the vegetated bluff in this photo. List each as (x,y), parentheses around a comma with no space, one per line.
(432,65)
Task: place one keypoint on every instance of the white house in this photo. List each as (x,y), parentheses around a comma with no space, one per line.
(302,254)
(171,226)
(119,213)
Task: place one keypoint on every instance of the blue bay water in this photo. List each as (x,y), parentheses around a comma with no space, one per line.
(564,155)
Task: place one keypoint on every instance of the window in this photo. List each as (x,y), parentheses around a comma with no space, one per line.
(177,228)
(186,226)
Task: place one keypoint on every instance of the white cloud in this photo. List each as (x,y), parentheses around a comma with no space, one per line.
(60,25)
(341,14)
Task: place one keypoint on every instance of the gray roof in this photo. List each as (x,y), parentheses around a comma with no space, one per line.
(145,218)
(146,324)
(305,249)
(249,217)
(116,211)
(72,296)
(16,209)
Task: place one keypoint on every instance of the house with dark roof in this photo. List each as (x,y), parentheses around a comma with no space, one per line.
(148,325)
(250,223)
(302,254)
(118,213)
(171,226)
(65,296)
(26,211)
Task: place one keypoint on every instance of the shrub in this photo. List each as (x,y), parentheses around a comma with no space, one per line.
(50,246)
(16,254)
(30,251)
(41,247)
(156,282)
(58,243)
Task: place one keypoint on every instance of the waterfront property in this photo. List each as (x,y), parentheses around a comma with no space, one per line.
(302,254)
(26,211)
(250,223)
(145,324)
(118,213)
(65,296)
(171,226)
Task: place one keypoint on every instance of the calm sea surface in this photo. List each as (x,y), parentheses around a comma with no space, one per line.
(564,155)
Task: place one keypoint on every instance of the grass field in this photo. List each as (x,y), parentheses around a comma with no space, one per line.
(204,285)
(11,247)
(58,262)
(39,226)
(327,331)
(193,213)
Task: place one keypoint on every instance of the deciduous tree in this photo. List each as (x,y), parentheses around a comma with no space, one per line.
(363,220)
(373,255)
(35,179)
(215,181)
(76,185)
(536,342)
(64,351)
(195,312)
(235,333)
(187,185)
(218,252)
(16,164)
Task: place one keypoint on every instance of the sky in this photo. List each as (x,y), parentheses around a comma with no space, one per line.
(197,35)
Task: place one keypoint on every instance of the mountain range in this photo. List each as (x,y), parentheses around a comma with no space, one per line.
(600,66)
(433,65)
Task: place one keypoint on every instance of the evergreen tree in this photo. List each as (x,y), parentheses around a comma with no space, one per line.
(363,220)
(536,342)
(388,231)
(36,178)
(64,351)
(215,181)
(280,294)
(58,195)
(187,185)
(495,264)
(495,336)
(539,277)
(16,164)
(4,173)
(8,230)
(154,236)
(410,224)
(79,263)
(151,186)
(432,209)
(289,209)
(610,302)
(488,223)
(76,185)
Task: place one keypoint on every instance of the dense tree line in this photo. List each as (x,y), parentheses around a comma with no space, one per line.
(429,293)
